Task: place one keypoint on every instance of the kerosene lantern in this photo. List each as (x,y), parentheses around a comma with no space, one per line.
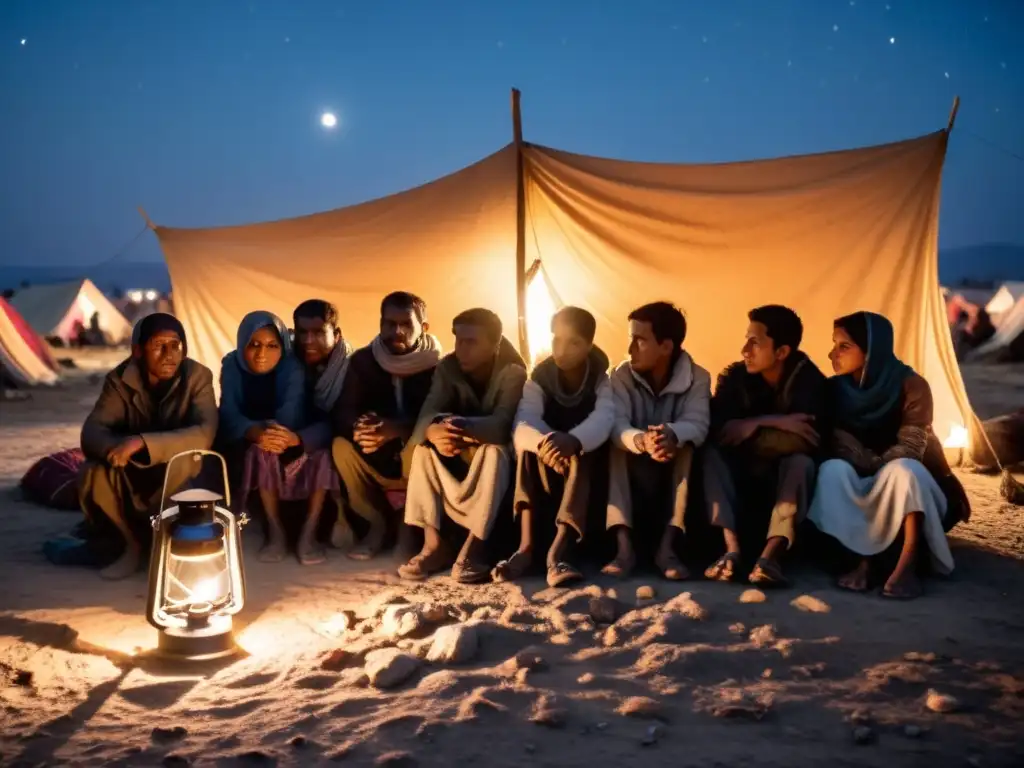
(196,573)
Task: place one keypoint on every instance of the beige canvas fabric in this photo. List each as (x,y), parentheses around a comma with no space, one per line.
(826,234)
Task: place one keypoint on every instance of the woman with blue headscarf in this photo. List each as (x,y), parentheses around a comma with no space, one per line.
(888,475)
(262,412)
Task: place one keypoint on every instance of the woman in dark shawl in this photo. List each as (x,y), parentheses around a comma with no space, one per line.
(262,411)
(887,475)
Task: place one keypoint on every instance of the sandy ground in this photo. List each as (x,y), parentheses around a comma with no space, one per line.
(527,676)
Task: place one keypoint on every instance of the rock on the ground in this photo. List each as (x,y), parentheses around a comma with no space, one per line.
(388,667)
(159,733)
(454,644)
(653,734)
(401,620)
(942,703)
(435,613)
(810,604)
(548,711)
(739,628)
(685,605)
(336,660)
(586,678)
(753,596)
(604,609)
(641,706)
(763,636)
(529,658)
(645,594)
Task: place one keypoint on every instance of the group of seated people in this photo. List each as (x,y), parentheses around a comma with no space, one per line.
(304,419)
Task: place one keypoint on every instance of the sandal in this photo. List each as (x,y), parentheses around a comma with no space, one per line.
(468,572)
(313,556)
(513,568)
(717,570)
(370,545)
(672,568)
(562,573)
(423,566)
(909,591)
(767,573)
(620,567)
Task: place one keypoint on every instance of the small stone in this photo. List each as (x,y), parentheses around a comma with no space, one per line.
(400,620)
(645,593)
(641,706)
(810,604)
(912,731)
(389,667)
(586,678)
(652,735)
(604,610)
(739,628)
(528,658)
(547,712)
(862,734)
(762,636)
(454,644)
(766,674)
(435,613)
(160,733)
(942,703)
(299,742)
(336,660)
(753,596)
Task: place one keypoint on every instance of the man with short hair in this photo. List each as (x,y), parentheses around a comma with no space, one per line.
(462,460)
(765,422)
(564,419)
(384,391)
(662,415)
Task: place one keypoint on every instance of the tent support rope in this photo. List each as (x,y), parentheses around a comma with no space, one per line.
(521,278)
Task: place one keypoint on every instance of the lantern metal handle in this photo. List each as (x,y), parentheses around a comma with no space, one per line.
(197,454)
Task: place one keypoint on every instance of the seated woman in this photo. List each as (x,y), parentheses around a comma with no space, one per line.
(262,409)
(155,404)
(888,474)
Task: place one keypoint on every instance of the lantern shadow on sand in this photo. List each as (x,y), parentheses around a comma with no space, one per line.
(196,573)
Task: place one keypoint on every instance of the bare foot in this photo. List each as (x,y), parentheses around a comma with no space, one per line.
(670,565)
(342,536)
(513,568)
(308,549)
(426,563)
(371,543)
(622,566)
(275,548)
(126,565)
(903,586)
(857,579)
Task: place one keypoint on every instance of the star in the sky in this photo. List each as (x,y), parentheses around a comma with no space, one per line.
(835,27)
(892,41)
(946,74)
(23,41)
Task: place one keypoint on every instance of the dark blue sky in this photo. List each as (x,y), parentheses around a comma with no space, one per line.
(207,112)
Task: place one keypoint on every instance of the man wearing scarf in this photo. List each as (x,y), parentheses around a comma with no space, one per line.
(155,404)
(462,456)
(661,418)
(766,417)
(374,414)
(564,419)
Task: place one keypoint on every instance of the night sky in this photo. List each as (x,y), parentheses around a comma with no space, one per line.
(208,112)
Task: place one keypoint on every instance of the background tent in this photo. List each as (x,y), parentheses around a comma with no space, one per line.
(1007,344)
(826,234)
(20,363)
(1004,300)
(33,339)
(54,310)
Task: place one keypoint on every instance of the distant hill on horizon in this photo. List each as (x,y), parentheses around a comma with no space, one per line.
(988,262)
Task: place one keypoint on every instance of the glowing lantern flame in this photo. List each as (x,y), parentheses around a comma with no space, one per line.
(958,437)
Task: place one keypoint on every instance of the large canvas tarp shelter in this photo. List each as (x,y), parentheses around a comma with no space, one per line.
(54,310)
(826,234)
(23,361)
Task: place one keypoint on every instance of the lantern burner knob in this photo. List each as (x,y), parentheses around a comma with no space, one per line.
(199,614)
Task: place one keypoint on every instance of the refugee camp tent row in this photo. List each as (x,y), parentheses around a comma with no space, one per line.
(530,228)
(25,359)
(55,310)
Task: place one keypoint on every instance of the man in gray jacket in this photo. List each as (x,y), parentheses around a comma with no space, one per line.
(662,414)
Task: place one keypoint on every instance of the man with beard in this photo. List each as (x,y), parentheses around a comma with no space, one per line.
(155,404)
(564,419)
(765,418)
(384,390)
(462,460)
(662,414)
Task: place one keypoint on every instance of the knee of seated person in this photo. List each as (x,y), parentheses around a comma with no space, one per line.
(834,469)
(902,468)
(799,462)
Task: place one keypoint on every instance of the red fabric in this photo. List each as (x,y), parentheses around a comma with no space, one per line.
(37,345)
(53,480)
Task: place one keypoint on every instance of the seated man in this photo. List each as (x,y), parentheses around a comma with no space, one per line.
(661,416)
(155,404)
(462,460)
(566,414)
(763,438)
(373,419)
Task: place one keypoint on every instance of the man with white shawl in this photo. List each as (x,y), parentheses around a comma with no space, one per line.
(374,415)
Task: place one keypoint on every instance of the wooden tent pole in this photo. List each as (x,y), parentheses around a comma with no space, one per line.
(952,114)
(149,222)
(517,137)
